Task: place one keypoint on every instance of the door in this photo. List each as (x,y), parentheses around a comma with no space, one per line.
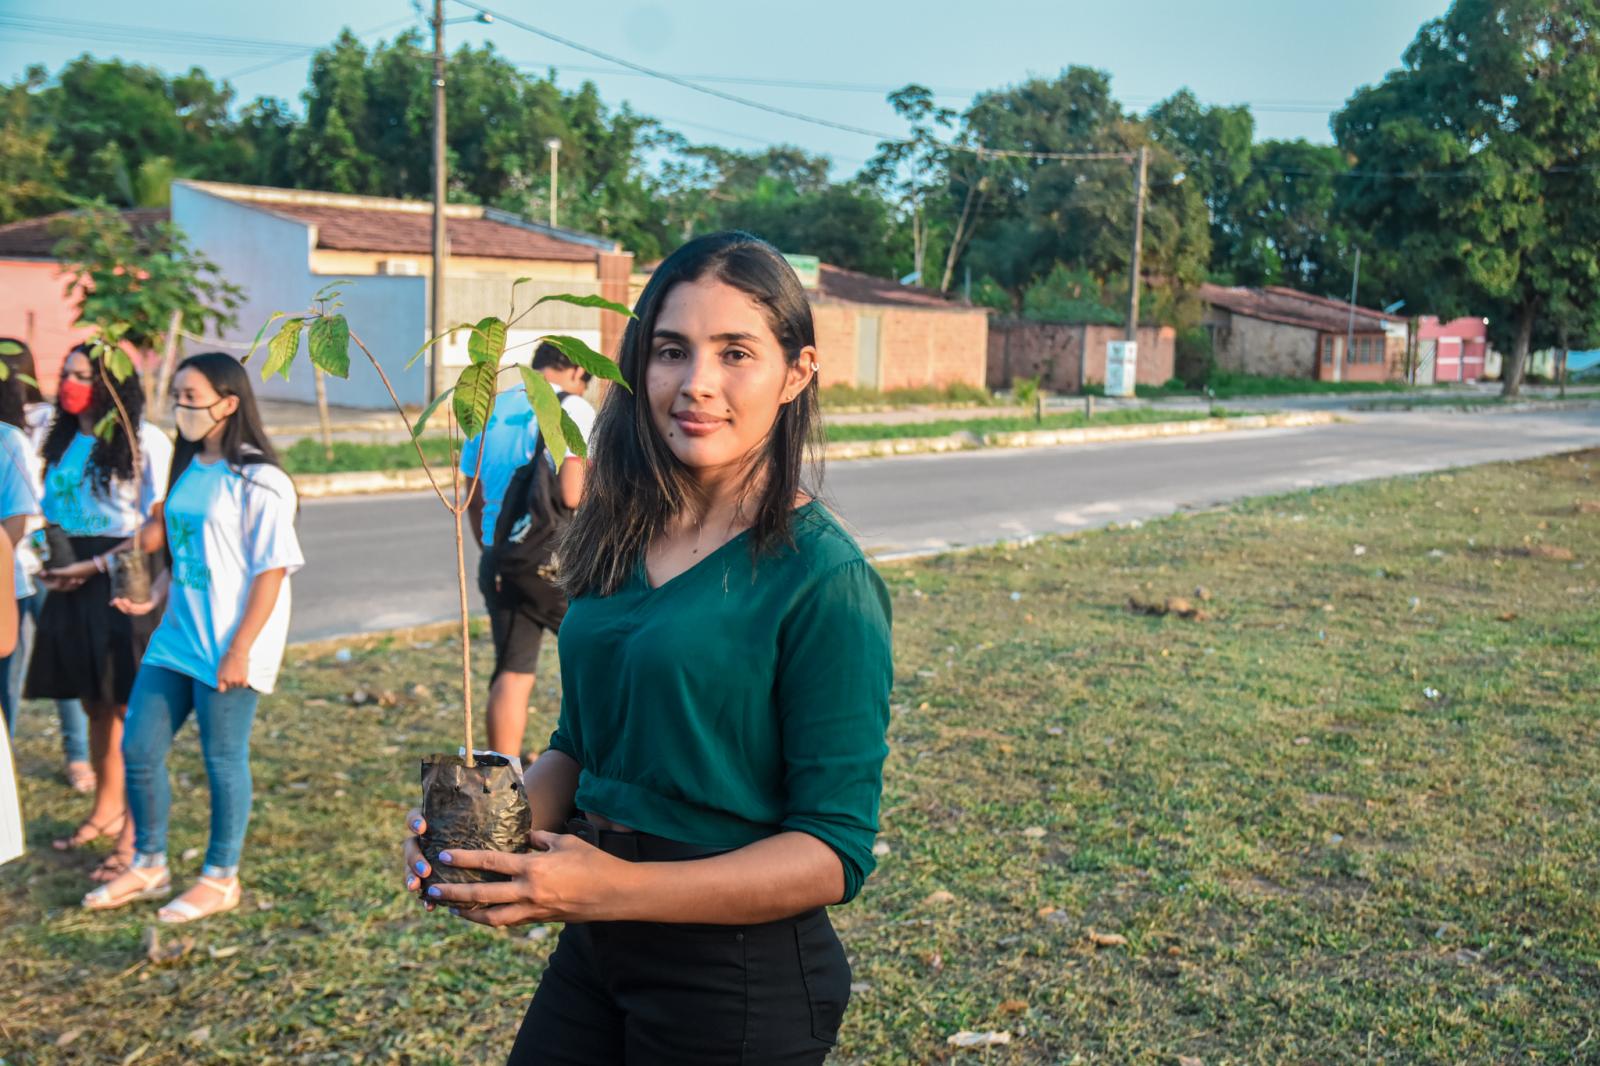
(869,369)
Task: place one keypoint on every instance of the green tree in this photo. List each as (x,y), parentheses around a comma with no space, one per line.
(132,282)
(32,177)
(1041,212)
(1478,163)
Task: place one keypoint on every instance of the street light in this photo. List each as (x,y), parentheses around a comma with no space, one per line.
(554,144)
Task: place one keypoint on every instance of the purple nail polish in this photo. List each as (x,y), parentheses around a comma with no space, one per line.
(421,866)
(444,857)
(433,890)
(416,825)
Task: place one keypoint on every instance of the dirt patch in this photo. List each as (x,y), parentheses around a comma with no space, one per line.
(1179,606)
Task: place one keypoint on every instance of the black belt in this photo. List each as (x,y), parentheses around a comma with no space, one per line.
(638,847)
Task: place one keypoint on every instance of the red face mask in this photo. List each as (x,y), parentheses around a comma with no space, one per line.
(75,395)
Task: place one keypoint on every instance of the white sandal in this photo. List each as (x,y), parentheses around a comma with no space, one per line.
(138,882)
(181,911)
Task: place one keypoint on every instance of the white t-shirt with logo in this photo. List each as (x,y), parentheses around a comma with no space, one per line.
(508,442)
(225,526)
(19,494)
(73,501)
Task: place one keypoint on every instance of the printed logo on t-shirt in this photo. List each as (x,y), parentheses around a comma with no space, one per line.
(189,568)
(66,494)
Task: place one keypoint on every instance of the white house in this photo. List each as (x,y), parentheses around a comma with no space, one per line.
(282,245)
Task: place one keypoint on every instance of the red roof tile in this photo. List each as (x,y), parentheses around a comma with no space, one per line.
(1293,308)
(836,283)
(373,229)
(31,238)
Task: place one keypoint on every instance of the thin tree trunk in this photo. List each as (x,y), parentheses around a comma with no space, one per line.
(322,413)
(169,360)
(959,239)
(1511,375)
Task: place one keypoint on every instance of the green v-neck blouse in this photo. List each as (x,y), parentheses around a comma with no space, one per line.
(742,698)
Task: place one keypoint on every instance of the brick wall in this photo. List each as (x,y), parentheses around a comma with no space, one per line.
(616,271)
(1055,350)
(915,347)
(1244,345)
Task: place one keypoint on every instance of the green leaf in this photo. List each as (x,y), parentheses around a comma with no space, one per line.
(107,425)
(487,342)
(118,363)
(24,378)
(583,301)
(330,291)
(575,442)
(329,343)
(580,354)
(262,332)
(474,397)
(431,341)
(282,349)
(427,412)
(10,348)
(547,409)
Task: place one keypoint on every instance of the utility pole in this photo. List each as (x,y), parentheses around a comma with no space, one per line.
(1138,244)
(1350,326)
(554,144)
(436,281)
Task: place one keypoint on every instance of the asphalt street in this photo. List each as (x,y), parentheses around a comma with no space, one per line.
(376,562)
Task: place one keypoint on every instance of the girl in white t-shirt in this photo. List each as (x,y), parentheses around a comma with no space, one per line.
(98,496)
(228,524)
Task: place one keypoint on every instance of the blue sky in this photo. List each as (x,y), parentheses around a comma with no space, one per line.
(1294,61)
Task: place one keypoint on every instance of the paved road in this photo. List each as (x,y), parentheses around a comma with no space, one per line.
(378,562)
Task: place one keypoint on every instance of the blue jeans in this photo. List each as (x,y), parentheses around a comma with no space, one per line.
(14,668)
(159,705)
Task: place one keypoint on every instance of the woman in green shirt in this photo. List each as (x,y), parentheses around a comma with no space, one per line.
(726,667)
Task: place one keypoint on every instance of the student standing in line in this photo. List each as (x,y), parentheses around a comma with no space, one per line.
(228,522)
(517,622)
(12,843)
(19,506)
(726,669)
(85,649)
(22,406)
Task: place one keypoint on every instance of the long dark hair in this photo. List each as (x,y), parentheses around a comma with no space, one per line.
(635,484)
(111,457)
(244,438)
(16,394)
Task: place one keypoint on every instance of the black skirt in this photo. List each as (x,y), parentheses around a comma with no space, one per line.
(84,648)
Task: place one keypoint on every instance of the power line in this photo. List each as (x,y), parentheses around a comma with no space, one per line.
(122,34)
(312,49)
(673,78)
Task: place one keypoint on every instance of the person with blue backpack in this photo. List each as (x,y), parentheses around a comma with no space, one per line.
(522,602)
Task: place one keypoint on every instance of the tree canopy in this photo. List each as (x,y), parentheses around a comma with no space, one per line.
(1478,163)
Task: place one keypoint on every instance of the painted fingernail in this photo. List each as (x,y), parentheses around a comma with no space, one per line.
(421,866)
(433,890)
(444,857)
(416,825)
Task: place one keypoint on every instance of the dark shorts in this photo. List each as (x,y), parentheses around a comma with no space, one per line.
(517,633)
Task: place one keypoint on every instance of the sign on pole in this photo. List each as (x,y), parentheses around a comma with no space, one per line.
(1122,359)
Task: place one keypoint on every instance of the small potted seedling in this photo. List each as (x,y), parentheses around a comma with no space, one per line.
(129,568)
(469,801)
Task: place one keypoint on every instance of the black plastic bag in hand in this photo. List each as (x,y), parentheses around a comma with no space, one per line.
(471,808)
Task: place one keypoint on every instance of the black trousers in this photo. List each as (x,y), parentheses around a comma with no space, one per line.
(651,994)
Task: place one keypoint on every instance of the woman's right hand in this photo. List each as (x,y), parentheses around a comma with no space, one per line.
(416,866)
(127,606)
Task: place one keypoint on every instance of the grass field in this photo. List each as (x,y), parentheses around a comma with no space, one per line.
(1350,815)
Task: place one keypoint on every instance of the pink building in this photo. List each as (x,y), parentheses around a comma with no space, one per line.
(34,306)
(1459,347)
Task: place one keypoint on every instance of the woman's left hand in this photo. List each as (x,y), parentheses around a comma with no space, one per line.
(234,671)
(80,571)
(565,879)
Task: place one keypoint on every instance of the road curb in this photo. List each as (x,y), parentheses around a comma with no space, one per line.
(372,482)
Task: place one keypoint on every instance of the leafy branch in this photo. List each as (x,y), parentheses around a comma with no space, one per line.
(471,399)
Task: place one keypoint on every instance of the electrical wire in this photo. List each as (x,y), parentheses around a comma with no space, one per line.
(312,49)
